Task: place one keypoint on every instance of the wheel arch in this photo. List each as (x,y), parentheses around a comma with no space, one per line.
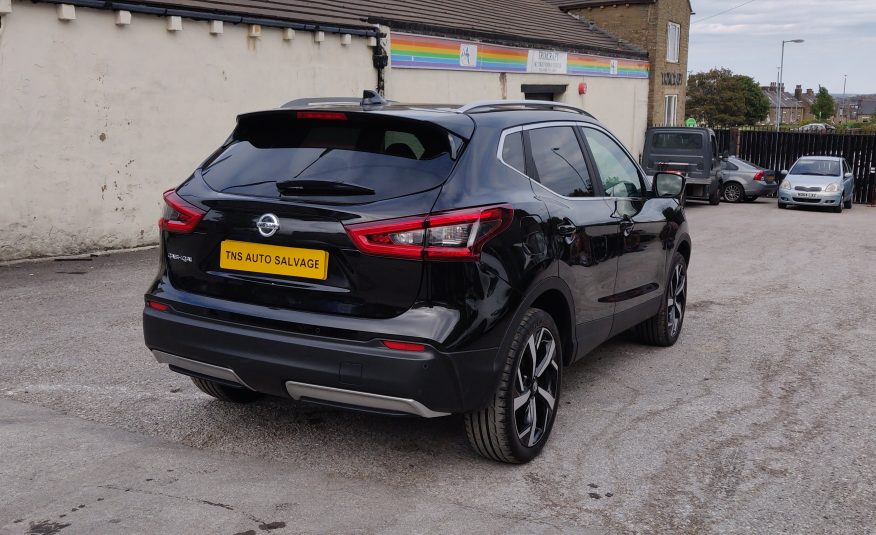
(684,248)
(554,297)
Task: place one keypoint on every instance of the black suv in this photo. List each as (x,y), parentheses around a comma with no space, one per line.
(420,260)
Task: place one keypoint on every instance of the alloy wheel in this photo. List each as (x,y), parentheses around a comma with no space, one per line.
(676,300)
(535,387)
(733,192)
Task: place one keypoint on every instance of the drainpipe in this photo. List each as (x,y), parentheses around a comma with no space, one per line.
(380,59)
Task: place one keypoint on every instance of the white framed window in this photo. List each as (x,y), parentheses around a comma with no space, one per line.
(670,109)
(673,38)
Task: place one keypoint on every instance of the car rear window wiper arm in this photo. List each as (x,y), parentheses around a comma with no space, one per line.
(321,187)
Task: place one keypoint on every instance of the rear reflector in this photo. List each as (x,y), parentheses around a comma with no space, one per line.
(456,235)
(403,346)
(161,307)
(179,216)
(322,115)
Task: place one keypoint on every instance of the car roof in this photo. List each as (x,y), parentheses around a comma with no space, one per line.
(830,158)
(458,119)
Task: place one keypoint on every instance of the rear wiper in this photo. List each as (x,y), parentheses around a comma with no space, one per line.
(321,187)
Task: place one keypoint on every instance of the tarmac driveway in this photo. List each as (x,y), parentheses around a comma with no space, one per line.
(761,419)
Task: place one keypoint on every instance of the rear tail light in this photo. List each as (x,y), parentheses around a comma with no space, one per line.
(456,235)
(179,216)
(758,175)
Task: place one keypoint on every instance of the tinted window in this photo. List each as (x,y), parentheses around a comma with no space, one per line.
(618,173)
(677,141)
(393,158)
(512,151)
(559,161)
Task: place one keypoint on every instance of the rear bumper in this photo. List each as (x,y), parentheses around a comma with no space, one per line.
(349,373)
(760,189)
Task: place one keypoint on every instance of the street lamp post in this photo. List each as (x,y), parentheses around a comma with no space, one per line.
(779,89)
(842,113)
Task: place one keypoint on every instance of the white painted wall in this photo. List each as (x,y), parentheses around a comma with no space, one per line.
(96,120)
(620,104)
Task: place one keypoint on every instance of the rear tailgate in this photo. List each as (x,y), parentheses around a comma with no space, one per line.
(277,198)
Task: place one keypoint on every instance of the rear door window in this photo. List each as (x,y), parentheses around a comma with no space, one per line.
(390,157)
(512,151)
(559,161)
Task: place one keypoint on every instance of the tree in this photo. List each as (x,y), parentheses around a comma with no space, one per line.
(823,107)
(721,98)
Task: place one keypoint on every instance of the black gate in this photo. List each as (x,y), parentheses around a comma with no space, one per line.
(779,150)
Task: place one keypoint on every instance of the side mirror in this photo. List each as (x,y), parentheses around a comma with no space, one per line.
(668,185)
(784,172)
(848,175)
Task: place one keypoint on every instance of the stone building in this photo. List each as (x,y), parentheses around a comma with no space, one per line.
(662,28)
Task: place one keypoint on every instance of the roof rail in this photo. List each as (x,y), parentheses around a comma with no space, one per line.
(538,104)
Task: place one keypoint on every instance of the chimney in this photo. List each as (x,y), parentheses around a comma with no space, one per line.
(798,92)
(810,93)
(773,86)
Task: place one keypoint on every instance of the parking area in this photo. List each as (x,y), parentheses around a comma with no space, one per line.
(760,419)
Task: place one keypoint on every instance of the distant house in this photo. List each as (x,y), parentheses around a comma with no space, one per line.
(796,107)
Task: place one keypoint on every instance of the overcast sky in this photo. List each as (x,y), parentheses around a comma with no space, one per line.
(840,39)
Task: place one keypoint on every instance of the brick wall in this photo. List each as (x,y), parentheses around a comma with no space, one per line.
(646,26)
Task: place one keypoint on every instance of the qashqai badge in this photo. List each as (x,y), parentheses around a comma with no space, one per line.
(268,225)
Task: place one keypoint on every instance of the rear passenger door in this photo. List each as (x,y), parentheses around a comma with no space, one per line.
(583,232)
(641,266)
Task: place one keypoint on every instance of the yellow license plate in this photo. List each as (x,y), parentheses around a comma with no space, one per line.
(274,259)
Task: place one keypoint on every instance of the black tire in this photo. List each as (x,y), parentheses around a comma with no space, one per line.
(225,393)
(782,205)
(848,204)
(663,328)
(733,192)
(493,430)
(751,198)
(839,207)
(715,196)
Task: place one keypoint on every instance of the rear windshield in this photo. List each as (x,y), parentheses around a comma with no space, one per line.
(377,158)
(677,141)
(816,168)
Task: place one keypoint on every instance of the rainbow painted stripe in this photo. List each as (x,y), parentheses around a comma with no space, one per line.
(410,51)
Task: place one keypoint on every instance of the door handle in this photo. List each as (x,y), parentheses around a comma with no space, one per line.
(567,228)
(627,225)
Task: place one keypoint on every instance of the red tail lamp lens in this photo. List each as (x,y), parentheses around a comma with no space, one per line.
(455,235)
(403,346)
(161,307)
(758,175)
(180,217)
(322,115)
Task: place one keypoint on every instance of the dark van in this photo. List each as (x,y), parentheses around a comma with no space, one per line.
(692,151)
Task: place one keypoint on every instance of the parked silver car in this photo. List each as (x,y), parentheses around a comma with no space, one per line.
(825,181)
(745,181)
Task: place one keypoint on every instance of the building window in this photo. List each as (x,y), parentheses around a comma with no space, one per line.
(671,103)
(673,37)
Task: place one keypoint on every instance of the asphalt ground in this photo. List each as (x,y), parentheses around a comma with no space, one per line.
(761,419)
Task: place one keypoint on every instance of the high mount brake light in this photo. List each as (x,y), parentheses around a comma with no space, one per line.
(456,235)
(329,115)
(179,216)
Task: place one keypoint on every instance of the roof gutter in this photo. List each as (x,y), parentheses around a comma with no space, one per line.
(217,15)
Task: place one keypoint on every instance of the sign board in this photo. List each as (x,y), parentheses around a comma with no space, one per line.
(468,55)
(691,122)
(547,62)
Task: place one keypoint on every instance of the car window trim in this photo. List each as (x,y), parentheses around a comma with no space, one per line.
(598,193)
(638,168)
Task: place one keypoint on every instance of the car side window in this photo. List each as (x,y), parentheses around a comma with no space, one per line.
(730,167)
(512,151)
(619,175)
(559,161)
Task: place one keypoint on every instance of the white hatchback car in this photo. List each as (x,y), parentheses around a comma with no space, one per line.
(824,181)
